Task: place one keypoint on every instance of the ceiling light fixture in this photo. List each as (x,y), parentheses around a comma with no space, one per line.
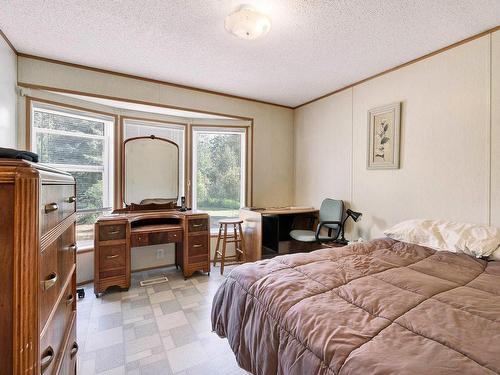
(247,23)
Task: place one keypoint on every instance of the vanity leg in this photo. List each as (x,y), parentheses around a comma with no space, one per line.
(178,255)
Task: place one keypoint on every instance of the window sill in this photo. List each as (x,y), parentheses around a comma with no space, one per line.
(84,248)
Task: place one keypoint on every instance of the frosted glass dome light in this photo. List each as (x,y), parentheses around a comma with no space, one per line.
(247,23)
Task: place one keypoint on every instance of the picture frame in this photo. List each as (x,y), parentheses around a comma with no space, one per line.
(384,125)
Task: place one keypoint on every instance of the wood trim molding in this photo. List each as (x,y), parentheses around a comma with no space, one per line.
(248,156)
(145,119)
(151,80)
(93,95)
(441,50)
(2,34)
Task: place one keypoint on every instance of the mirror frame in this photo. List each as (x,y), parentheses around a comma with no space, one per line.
(152,136)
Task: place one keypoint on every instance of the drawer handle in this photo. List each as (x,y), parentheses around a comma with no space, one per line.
(50,281)
(47,358)
(74,350)
(197,225)
(197,245)
(72,247)
(112,256)
(70,299)
(111,232)
(50,207)
(72,199)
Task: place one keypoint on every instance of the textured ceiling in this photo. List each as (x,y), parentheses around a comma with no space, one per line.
(314,46)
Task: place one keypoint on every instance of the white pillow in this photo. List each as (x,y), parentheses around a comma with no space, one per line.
(495,255)
(473,239)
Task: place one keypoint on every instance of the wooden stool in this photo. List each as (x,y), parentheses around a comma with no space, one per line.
(236,237)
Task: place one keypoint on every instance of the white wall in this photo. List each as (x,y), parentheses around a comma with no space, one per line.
(8,97)
(445,143)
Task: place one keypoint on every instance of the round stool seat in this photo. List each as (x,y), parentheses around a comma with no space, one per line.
(231,221)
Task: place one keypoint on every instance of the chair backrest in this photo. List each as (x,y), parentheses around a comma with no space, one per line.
(331,210)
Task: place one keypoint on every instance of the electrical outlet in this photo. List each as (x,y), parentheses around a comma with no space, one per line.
(160,253)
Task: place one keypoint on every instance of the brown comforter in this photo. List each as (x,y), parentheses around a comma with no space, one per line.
(383,307)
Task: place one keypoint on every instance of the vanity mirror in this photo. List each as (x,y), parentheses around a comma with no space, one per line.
(150,171)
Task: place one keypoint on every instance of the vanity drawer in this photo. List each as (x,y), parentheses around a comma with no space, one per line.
(103,274)
(51,343)
(175,236)
(198,225)
(112,232)
(112,257)
(57,202)
(139,239)
(198,246)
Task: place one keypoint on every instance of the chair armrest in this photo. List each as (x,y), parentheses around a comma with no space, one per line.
(320,225)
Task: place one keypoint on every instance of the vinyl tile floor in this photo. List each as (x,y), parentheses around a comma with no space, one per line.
(160,329)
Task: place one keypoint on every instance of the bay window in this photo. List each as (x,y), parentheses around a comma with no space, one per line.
(219,171)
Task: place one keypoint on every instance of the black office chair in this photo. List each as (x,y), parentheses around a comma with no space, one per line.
(330,217)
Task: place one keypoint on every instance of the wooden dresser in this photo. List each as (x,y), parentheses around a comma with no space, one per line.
(37,269)
(116,234)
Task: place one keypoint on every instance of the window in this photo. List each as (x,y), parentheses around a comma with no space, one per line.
(175,133)
(219,159)
(80,143)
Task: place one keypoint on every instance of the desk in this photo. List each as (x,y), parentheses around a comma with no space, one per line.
(266,230)
(117,233)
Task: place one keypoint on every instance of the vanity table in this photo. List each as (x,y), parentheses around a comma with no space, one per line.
(116,234)
(150,182)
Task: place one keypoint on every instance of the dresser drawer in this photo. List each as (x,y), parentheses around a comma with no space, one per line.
(68,360)
(112,257)
(197,225)
(50,282)
(198,247)
(112,232)
(66,253)
(57,202)
(51,343)
(56,263)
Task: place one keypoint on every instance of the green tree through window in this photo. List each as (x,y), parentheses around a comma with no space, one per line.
(219,173)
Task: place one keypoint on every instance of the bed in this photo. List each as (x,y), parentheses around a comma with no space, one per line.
(380,307)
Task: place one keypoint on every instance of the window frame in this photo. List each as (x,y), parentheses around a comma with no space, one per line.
(246,145)
(109,138)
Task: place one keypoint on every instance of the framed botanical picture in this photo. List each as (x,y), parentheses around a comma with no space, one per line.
(383,137)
